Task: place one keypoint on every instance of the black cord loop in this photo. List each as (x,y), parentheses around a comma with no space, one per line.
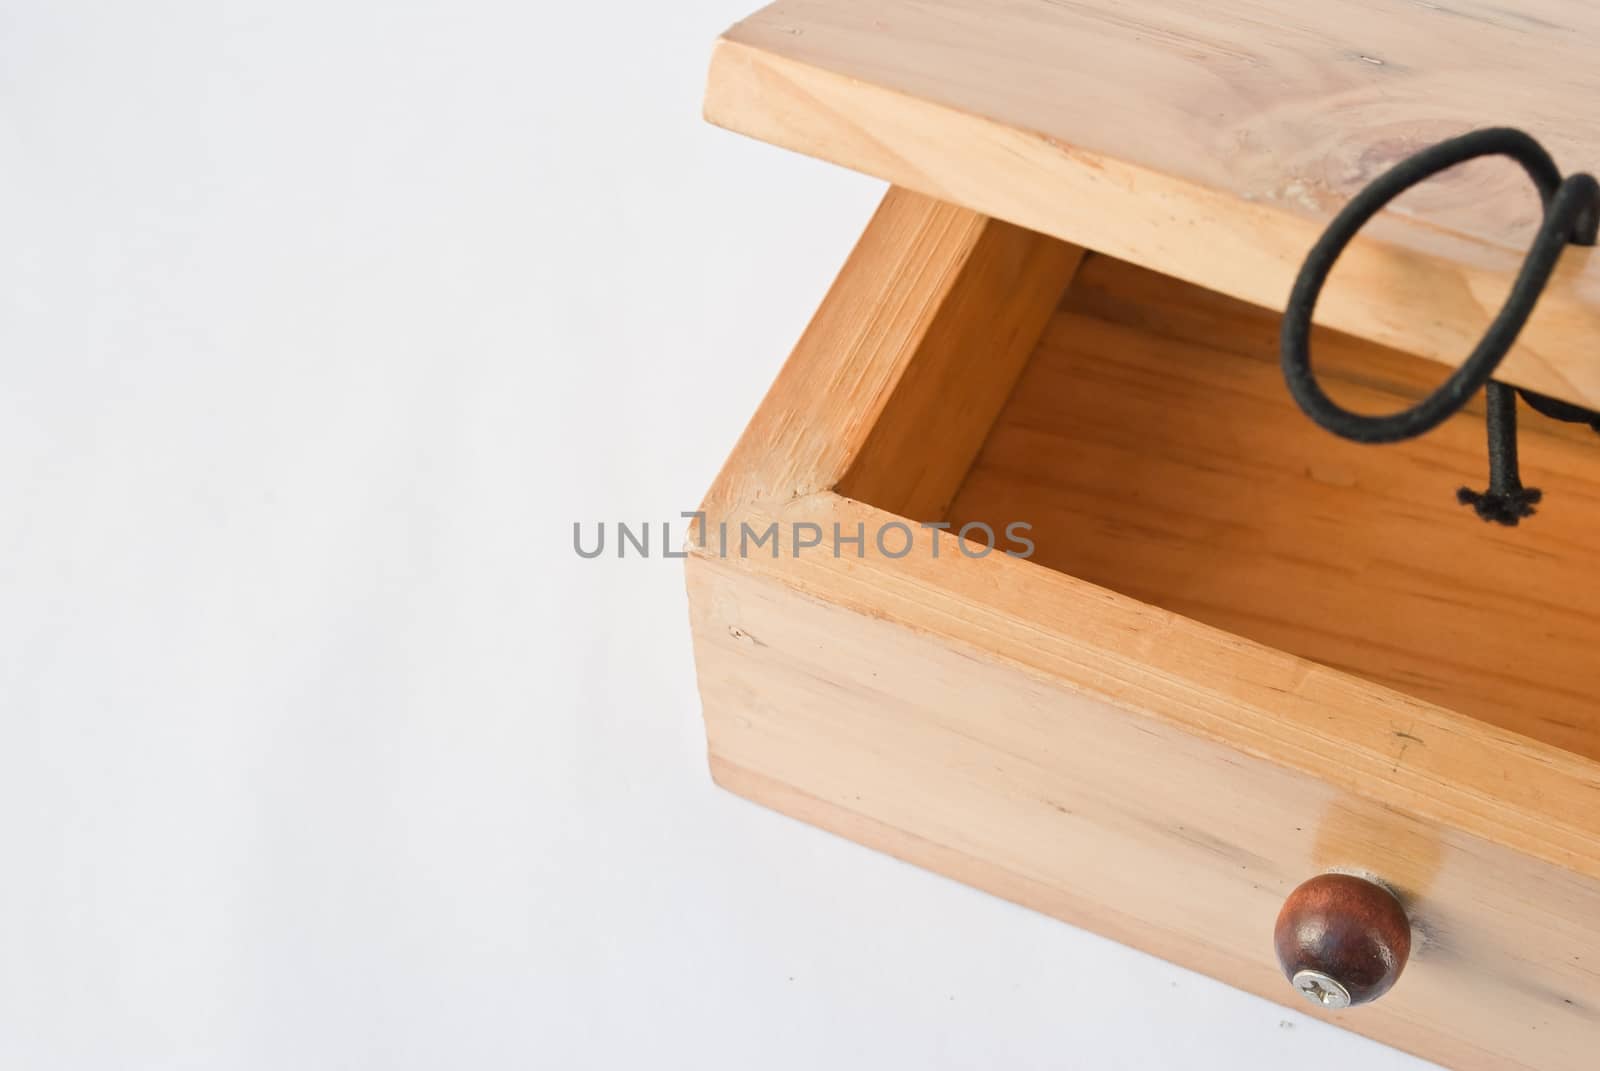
(1571,215)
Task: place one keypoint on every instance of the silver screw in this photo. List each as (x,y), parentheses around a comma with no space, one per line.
(1321,990)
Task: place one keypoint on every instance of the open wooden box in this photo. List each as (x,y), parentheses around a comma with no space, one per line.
(1240,651)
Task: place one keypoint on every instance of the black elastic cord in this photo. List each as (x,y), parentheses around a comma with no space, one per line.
(1571,214)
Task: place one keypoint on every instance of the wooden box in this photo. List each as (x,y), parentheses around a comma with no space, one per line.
(1226,651)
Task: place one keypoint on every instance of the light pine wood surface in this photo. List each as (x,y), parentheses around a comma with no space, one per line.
(926,286)
(1212,139)
(1159,455)
(995,306)
(1066,790)
(1103,758)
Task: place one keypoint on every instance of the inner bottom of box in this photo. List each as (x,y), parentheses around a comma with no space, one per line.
(1154,450)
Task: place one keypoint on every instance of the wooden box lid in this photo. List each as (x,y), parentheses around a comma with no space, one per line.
(1213,139)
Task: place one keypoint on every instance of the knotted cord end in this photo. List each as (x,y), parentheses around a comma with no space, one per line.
(1501,507)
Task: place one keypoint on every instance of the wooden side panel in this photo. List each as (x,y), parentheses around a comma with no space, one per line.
(1032,787)
(945,402)
(900,374)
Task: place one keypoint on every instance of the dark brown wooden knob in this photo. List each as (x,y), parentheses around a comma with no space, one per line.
(1342,940)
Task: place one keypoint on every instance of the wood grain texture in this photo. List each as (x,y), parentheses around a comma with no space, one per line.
(1212,139)
(1179,472)
(967,360)
(831,395)
(1107,760)
(1066,760)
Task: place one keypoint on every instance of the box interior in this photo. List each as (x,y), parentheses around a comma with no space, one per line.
(1151,444)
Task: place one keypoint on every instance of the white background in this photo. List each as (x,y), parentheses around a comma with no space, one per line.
(320,324)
